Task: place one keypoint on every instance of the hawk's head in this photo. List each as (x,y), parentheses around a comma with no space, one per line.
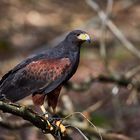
(78,37)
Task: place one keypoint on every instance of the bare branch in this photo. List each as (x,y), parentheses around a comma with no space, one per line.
(28,114)
(41,123)
(117,79)
(94,107)
(132,72)
(76,128)
(105,135)
(114,28)
(103,49)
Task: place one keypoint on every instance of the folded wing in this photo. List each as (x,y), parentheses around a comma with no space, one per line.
(40,76)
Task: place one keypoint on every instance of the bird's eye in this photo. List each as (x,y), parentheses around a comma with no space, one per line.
(77,34)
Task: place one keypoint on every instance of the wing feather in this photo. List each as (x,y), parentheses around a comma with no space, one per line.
(21,65)
(36,76)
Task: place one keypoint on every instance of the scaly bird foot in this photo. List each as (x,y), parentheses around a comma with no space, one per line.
(57,123)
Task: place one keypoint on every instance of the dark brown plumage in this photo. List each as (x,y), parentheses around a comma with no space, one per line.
(44,74)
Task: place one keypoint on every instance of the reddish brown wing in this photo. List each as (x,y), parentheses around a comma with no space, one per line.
(47,70)
(36,77)
(44,73)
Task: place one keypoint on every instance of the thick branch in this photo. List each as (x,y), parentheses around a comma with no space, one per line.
(82,126)
(41,123)
(27,114)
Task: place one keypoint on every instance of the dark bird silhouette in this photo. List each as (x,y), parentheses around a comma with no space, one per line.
(44,74)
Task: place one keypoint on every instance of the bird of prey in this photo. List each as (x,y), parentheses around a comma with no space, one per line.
(44,74)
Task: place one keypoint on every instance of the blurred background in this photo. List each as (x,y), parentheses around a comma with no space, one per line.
(106,85)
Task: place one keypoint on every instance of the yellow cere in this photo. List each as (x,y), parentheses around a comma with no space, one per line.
(84,37)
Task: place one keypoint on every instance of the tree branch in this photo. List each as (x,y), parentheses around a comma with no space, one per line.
(42,124)
(104,133)
(28,114)
(119,80)
(113,28)
(103,49)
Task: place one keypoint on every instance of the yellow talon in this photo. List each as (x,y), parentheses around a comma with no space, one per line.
(61,126)
(49,125)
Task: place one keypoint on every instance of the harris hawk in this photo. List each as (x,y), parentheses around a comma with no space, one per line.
(44,74)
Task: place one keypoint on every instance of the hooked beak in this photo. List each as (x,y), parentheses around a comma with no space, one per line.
(84,37)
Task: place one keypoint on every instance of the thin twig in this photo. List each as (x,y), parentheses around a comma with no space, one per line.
(132,72)
(114,29)
(79,113)
(116,79)
(103,49)
(105,134)
(84,136)
(94,107)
